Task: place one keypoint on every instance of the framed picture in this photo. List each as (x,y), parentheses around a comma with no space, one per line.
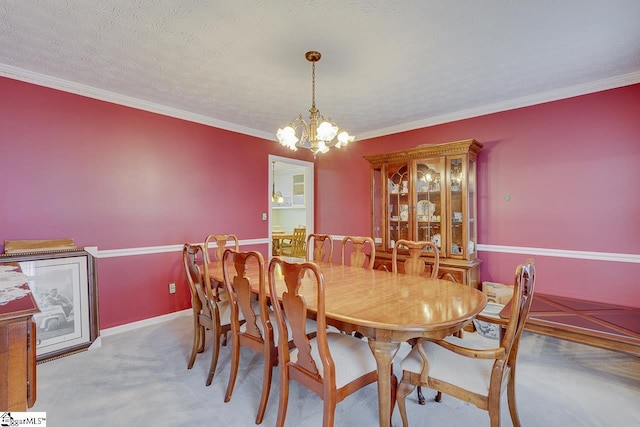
(64,286)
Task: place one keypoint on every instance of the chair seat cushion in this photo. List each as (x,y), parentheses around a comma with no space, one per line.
(352,357)
(465,372)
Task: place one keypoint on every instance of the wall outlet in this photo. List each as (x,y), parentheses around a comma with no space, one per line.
(172,288)
(264,216)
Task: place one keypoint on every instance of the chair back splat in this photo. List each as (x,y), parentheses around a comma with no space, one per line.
(415,264)
(222,240)
(363,254)
(320,246)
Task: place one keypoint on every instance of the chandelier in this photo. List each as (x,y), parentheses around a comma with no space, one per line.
(320,134)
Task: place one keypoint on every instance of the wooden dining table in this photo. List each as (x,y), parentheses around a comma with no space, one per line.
(388,309)
(277,239)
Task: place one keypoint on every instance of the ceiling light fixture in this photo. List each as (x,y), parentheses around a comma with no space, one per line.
(319,134)
(276,197)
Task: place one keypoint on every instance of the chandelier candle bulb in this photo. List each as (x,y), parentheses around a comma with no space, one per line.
(318,138)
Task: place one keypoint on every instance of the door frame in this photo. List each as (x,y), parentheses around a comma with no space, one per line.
(309,173)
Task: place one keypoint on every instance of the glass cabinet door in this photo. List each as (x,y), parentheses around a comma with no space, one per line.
(377,218)
(472,203)
(457,186)
(429,201)
(398,203)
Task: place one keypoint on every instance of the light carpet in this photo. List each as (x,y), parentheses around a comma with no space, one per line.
(140,378)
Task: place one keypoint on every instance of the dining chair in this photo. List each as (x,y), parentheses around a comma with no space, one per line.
(468,368)
(321,253)
(296,247)
(359,256)
(221,240)
(332,365)
(209,312)
(415,264)
(257,333)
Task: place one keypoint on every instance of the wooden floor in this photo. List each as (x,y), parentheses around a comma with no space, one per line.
(603,325)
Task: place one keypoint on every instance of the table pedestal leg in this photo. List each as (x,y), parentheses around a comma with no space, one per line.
(384,352)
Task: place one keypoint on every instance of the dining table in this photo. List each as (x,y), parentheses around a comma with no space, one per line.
(388,309)
(277,238)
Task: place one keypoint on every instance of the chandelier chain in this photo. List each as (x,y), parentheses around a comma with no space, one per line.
(313,85)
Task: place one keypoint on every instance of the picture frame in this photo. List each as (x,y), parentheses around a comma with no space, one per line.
(63,284)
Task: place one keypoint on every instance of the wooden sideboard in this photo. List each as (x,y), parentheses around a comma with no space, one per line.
(18,353)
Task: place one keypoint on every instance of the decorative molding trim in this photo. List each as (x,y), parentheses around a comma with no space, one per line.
(511,104)
(149,250)
(103,95)
(557,253)
(146,322)
(128,101)
(561,253)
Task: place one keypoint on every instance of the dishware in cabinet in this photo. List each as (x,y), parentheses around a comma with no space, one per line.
(428,193)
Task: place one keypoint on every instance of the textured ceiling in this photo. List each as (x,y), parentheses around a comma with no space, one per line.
(387,66)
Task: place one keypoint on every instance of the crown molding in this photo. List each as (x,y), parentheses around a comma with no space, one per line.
(127,101)
(103,95)
(511,104)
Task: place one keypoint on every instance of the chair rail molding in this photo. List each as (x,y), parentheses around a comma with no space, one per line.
(562,253)
(556,253)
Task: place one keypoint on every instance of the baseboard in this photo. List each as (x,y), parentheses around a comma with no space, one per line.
(143,323)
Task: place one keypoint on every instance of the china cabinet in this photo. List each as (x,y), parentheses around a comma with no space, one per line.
(428,193)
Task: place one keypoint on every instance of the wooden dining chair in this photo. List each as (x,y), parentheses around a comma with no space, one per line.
(296,248)
(415,264)
(332,365)
(222,241)
(360,256)
(257,333)
(209,312)
(322,245)
(467,368)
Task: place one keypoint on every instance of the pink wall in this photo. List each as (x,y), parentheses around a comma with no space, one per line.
(116,177)
(571,169)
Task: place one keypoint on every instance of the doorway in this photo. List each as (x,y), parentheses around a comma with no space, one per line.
(293,180)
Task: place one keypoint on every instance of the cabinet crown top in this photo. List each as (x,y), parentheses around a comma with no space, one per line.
(427,150)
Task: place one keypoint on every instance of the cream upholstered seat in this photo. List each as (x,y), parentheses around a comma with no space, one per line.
(209,311)
(320,246)
(360,256)
(468,368)
(332,365)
